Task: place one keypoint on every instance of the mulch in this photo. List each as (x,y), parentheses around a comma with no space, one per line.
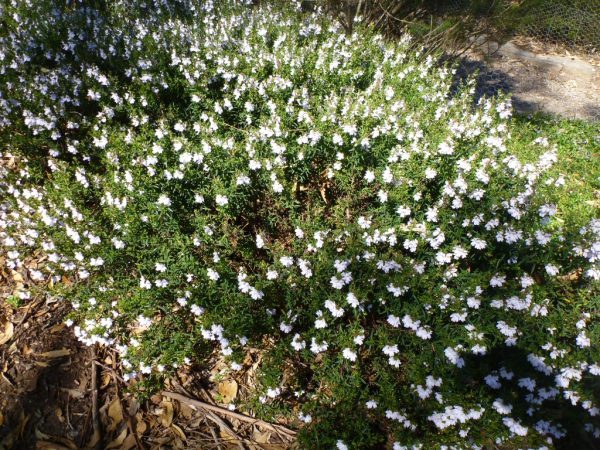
(56,393)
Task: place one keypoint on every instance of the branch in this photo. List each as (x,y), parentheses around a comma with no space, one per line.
(226,412)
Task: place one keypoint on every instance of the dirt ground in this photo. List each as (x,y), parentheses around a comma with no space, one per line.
(56,393)
(540,77)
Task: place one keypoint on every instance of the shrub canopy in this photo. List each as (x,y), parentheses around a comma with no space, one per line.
(206,180)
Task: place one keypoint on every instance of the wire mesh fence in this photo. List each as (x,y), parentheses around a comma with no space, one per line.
(572,23)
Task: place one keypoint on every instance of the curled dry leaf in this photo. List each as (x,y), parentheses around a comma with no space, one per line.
(105,380)
(166,414)
(118,441)
(59,415)
(116,414)
(179,432)
(8,332)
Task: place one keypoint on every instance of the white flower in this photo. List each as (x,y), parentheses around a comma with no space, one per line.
(164,200)
(479,244)
(454,357)
(497,281)
(221,200)
(349,354)
(493,381)
(197,310)
(582,340)
(334,309)
(390,350)
(403,211)
(515,426)
(277,187)
(320,324)
(161,283)
(352,300)
(445,148)
(341,446)
(430,173)
(382,195)
(364,223)
(371,404)
(260,243)
(501,407)
(286,261)
(393,320)
(272,275)
(212,274)
(242,180)
(305,418)
(119,244)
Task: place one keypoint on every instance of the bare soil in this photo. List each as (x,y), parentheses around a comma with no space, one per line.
(540,77)
(52,387)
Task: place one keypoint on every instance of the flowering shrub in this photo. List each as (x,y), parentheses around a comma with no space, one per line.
(206,180)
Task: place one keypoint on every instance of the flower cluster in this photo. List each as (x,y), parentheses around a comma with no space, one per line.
(202,179)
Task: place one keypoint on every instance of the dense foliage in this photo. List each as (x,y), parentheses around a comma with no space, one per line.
(208,180)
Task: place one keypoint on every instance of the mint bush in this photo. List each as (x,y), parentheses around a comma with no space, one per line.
(201,180)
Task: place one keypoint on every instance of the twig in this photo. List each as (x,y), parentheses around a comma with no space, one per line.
(242,417)
(68,413)
(95,419)
(225,427)
(130,427)
(212,431)
(111,370)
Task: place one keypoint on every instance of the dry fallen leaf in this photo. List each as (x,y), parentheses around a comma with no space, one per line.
(55,353)
(118,441)
(179,432)
(57,328)
(128,443)
(8,332)
(73,393)
(141,427)
(228,390)
(166,415)
(116,414)
(186,411)
(16,276)
(261,438)
(105,380)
